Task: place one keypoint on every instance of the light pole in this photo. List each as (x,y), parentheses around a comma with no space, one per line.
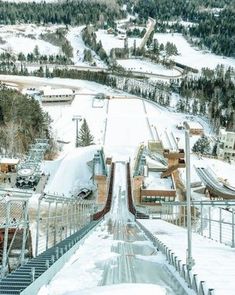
(77,118)
(189,259)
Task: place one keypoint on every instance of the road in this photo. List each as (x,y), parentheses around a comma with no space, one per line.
(148,32)
(35,66)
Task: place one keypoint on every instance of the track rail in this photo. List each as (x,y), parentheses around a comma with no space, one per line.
(214,185)
(106,209)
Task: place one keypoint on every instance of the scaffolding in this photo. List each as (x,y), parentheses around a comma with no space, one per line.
(28,170)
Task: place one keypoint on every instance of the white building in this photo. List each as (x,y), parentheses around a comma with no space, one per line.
(57,94)
(226,147)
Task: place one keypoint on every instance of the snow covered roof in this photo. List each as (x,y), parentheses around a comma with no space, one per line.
(193,125)
(57,91)
(154,181)
(10,161)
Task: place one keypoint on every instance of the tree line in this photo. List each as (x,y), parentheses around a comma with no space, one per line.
(211,94)
(21,121)
(214,21)
(67,12)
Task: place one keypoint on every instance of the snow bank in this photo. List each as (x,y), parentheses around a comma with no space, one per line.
(73,171)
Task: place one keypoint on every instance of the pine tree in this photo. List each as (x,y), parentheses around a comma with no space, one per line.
(84,137)
(202,145)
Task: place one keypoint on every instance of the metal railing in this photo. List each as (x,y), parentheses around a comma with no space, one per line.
(29,225)
(199,287)
(212,219)
(216,223)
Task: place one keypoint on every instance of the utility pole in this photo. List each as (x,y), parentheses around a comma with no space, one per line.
(189,259)
(76,118)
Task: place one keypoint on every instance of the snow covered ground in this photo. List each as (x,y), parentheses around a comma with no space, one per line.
(75,39)
(214,262)
(191,56)
(145,66)
(73,169)
(109,41)
(24,38)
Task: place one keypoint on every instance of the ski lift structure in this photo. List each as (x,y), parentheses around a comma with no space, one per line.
(28,171)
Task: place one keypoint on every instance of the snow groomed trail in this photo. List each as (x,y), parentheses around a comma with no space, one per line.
(117,252)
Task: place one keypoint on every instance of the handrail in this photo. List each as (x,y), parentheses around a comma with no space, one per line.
(31,276)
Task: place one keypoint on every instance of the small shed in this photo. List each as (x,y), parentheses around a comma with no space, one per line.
(194,127)
(8,164)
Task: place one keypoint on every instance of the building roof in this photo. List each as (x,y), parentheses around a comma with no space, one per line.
(223,131)
(56,91)
(193,125)
(9,161)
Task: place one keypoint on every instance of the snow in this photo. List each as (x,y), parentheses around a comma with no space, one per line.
(191,56)
(84,269)
(154,181)
(126,128)
(74,36)
(56,91)
(10,161)
(27,45)
(124,289)
(145,66)
(194,125)
(126,122)
(24,38)
(73,171)
(214,262)
(109,41)
(110,255)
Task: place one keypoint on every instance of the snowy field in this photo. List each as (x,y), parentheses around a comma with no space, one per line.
(144,66)
(110,41)
(190,56)
(75,39)
(24,38)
